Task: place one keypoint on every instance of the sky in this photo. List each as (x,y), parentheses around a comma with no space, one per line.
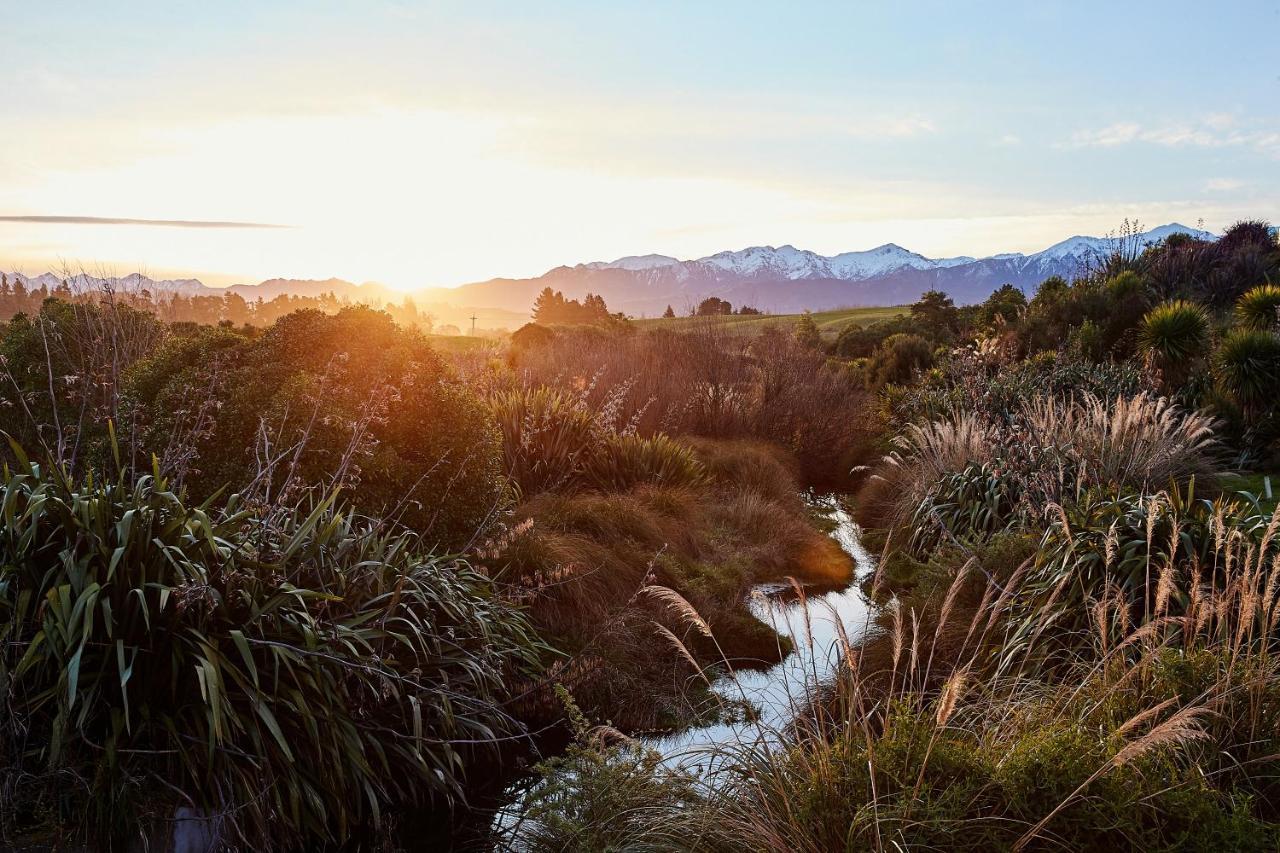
(427,144)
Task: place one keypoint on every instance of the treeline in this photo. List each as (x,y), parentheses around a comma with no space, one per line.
(229,308)
(551,308)
(1197,316)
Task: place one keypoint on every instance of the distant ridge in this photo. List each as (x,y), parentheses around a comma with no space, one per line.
(780,279)
(785,279)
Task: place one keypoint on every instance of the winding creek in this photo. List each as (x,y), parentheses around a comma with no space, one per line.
(780,692)
(814,623)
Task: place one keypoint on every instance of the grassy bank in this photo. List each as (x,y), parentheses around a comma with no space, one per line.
(829,323)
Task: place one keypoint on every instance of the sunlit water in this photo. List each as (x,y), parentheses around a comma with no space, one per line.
(779,693)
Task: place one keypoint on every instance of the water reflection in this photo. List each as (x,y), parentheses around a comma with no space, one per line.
(814,623)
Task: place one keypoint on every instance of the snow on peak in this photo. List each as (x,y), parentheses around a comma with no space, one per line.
(85,283)
(634,263)
(1081,247)
(788,262)
(783,262)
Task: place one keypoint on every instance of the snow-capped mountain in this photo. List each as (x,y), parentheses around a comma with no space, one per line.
(790,263)
(137,283)
(785,278)
(85,283)
(779,279)
(634,262)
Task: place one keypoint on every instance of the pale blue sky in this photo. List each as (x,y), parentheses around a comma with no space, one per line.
(434,143)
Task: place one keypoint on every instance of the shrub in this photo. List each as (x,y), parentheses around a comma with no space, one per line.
(899,358)
(547,438)
(63,370)
(858,341)
(625,461)
(1246,366)
(296,677)
(1175,335)
(973,471)
(318,402)
(1259,308)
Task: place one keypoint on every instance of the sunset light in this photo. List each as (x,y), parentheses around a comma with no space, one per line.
(590,426)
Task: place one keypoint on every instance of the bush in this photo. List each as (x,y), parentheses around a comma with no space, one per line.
(296,677)
(626,461)
(318,402)
(1259,308)
(1246,366)
(63,370)
(1175,335)
(704,381)
(547,438)
(981,474)
(899,358)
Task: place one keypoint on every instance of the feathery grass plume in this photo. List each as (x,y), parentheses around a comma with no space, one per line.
(952,690)
(1164,586)
(678,604)
(681,649)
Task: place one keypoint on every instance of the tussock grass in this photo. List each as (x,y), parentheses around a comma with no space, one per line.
(1049,452)
(584,556)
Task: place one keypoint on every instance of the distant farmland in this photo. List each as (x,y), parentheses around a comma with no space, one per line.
(830,323)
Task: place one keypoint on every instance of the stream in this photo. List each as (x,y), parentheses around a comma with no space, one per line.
(782,691)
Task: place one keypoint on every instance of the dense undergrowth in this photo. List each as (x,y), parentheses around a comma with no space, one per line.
(297,674)
(313,582)
(1079,628)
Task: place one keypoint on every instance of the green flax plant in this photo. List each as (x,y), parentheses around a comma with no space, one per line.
(291,679)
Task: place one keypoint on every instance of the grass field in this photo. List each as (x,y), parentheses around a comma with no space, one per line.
(830,323)
(1256,484)
(463,343)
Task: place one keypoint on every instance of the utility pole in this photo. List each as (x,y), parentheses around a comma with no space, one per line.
(473,325)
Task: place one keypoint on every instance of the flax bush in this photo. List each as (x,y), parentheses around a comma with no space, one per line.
(292,679)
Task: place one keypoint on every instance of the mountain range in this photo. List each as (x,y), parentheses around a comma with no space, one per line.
(785,279)
(780,279)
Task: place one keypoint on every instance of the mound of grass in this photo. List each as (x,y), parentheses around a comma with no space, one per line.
(298,675)
(586,561)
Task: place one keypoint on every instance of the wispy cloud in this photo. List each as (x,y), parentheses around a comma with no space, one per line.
(157,223)
(1220,185)
(1214,131)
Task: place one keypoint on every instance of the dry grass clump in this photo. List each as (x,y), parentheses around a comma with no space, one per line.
(1141,442)
(582,558)
(923,455)
(749,465)
(1047,452)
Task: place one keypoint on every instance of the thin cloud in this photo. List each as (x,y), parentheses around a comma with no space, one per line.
(1215,131)
(155,223)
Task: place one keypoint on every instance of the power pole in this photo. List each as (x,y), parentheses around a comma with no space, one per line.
(473,325)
